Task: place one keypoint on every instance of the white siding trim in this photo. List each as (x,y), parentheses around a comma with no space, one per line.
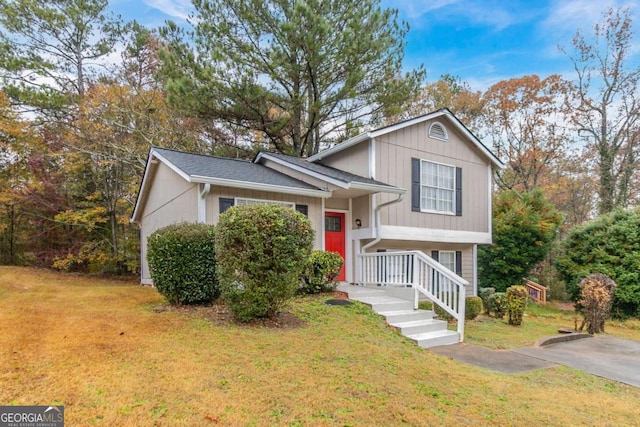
(324,247)
(416,234)
(173,167)
(474,252)
(372,211)
(388,129)
(490,200)
(349,249)
(394,232)
(372,158)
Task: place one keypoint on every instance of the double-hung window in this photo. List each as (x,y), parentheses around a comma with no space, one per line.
(437,187)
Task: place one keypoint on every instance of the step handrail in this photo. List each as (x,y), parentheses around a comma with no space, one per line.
(418,270)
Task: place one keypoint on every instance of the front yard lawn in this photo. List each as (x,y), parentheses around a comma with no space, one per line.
(539,321)
(112,354)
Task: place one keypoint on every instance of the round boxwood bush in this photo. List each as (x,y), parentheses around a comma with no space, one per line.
(261,251)
(320,272)
(485,296)
(182,263)
(498,304)
(473,308)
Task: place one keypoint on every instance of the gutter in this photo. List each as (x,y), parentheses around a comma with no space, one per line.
(377,222)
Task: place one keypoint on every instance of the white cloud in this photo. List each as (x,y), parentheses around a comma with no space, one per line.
(494,14)
(174,8)
(568,16)
(414,9)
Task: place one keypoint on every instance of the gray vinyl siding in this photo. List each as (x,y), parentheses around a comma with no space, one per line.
(336,203)
(170,200)
(394,152)
(354,159)
(361,209)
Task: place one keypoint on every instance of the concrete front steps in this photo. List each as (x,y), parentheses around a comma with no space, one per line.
(417,325)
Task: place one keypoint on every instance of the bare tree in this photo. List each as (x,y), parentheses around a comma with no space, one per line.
(606,105)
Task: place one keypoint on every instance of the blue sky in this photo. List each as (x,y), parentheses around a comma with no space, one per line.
(481,41)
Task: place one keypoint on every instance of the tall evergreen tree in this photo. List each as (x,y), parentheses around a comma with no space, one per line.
(48,50)
(291,73)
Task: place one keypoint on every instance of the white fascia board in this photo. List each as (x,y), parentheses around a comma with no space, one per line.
(388,129)
(456,123)
(377,188)
(362,233)
(305,171)
(173,167)
(394,232)
(339,147)
(259,186)
(151,163)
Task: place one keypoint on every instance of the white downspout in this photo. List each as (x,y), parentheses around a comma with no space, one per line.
(377,222)
(202,203)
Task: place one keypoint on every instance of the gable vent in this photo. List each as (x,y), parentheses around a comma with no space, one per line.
(437,131)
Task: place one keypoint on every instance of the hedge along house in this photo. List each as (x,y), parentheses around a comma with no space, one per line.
(405,205)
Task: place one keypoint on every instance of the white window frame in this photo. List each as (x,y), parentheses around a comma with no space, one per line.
(438,189)
(451,254)
(242,201)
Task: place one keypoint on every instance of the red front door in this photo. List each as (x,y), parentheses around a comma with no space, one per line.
(334,237)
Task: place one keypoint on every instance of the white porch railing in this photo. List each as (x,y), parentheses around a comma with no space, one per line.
(426,275)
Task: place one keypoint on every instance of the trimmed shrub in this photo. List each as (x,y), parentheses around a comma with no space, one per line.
(485,295)
(261,251)
(473,307)
(498,304)
(517,297)
(595,301)
(319,274)
(182,263)
(608,245)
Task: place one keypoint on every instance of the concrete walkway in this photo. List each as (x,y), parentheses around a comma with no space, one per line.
(605,356)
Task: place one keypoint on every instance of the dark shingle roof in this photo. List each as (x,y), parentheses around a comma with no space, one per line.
(328,171)
(232,169)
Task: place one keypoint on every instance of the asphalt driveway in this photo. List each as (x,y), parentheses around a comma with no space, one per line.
(605,356)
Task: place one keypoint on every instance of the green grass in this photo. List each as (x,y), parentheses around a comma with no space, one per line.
(540,321)
(104,350)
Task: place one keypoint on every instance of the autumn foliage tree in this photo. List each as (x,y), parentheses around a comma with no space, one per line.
(526,121)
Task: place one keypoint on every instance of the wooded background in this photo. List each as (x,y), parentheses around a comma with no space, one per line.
(84,96)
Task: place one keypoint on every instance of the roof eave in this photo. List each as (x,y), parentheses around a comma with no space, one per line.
(259,186)
(142,190)
(339,147)
(311,173)
(392,128)
(377,188)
